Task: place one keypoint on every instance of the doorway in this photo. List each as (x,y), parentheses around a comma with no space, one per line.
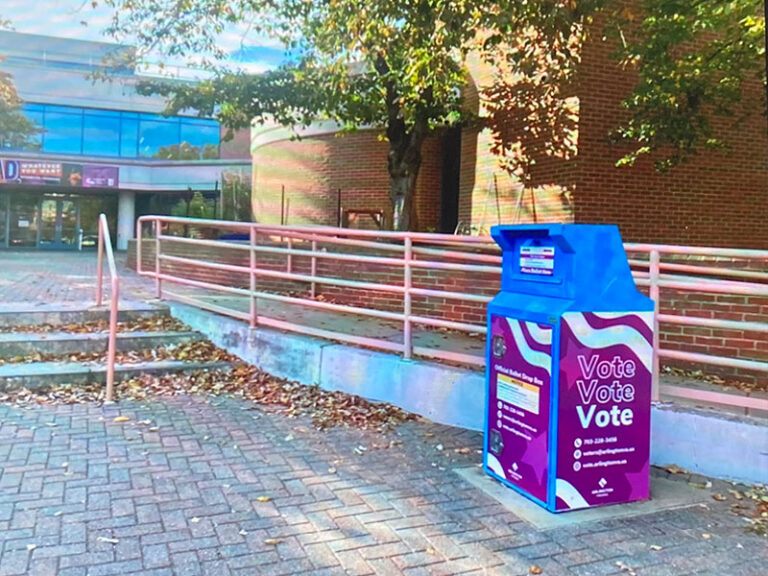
(59,227)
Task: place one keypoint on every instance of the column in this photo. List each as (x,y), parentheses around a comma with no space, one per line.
(126,217)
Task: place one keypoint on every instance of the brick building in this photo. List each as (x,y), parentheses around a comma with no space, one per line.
(719,198)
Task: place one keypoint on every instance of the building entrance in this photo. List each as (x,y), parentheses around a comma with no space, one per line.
(40,221)
(59,227)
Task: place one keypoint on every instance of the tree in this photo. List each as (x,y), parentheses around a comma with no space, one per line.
(399,66)
(396,66)
(692,60)
(16,130)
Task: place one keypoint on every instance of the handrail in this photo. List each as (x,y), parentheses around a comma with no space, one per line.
(105,241)
(410,267)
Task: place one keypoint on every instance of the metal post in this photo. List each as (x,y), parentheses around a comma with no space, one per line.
(339,220)
(282,206)
(290,256)
(100,267)
(314,268)
(138,247)
(158,281)
(112,347)
(407,282)
(654,294)
(252,267)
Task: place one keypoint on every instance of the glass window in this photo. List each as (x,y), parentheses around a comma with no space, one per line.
(34,113)
(158,138)
(200,137)
(63,130)
(101,134)
(73,130)
(129,136)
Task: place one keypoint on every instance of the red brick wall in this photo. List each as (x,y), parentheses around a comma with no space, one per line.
(313,169)
(720,198)
(238,147)
(730,343)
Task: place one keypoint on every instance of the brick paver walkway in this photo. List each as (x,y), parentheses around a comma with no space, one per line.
(217,486)
(69,277)
(192,486)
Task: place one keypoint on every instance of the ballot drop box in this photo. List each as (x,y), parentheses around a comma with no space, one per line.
(569,364)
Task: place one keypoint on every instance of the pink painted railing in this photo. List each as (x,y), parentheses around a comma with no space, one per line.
(105,243)
(410,252)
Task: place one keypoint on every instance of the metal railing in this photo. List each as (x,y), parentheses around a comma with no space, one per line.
(105,243)
(404,255)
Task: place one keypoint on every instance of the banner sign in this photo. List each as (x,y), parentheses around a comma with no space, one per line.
(44,173)
(100,176)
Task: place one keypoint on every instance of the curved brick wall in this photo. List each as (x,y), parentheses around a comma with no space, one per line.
(314,168)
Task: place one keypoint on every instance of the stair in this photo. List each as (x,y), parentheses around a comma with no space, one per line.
(45,346)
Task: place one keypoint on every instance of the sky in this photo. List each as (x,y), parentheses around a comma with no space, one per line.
(64,18)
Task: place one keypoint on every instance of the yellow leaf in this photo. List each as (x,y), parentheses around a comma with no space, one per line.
(272,541)
(263,498)
(122,419)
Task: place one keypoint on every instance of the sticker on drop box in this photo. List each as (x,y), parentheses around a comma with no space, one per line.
(518,393)
(539,260)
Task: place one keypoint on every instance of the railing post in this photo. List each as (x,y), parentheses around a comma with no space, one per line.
(314,268)
(407,282)
(138,247)
(252,269)
(158,281)
(100,267)
(112,346)
(290,256)
(654,294)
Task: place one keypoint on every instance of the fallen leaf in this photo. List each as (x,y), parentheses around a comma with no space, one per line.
(263,498)
(31,547)
(121,419)
(108,540)
(535,569)
(655,547)
(719,497)
(706,536)
(272,541)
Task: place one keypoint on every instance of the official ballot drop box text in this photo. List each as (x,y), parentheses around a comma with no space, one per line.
(569,365)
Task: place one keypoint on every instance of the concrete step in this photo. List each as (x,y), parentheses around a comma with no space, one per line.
(78,313)
(26,343)
(42,375)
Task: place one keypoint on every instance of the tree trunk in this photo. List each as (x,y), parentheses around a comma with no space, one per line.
(404,162)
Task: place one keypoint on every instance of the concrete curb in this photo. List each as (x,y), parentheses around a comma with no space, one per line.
(703,441)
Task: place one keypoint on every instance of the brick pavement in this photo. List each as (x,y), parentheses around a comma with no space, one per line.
(196,486)
(68,277)
(83,495)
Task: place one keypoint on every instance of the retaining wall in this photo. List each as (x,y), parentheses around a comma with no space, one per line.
(731,343)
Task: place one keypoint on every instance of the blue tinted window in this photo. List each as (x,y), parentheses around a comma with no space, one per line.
(201,136)
(35,114)
(73,130)
(63,130)
(158,139)
(129,136)
(101,134)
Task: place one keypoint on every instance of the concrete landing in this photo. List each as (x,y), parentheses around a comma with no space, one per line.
(665,495)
